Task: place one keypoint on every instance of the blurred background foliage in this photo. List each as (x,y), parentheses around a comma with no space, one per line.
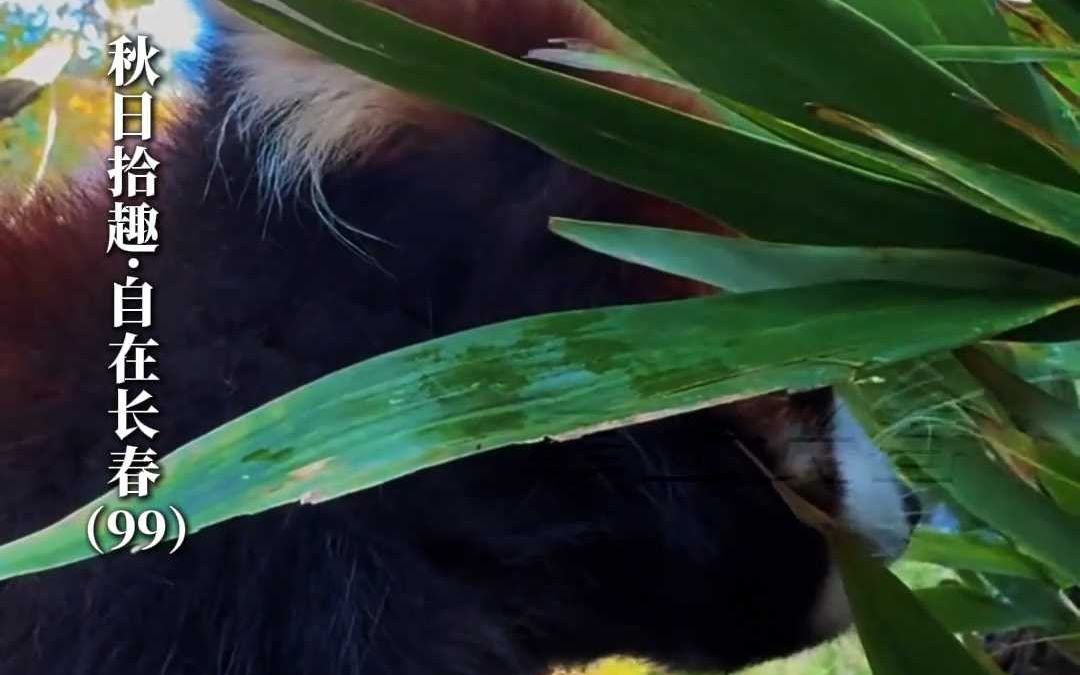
(54,51)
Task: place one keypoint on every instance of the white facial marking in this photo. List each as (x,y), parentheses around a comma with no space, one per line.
(872,497)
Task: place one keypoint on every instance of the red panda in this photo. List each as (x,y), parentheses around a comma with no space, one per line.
(311,219)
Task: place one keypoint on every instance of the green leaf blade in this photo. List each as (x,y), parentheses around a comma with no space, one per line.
(900,635)
(825,51)
(742,265)
(649,147)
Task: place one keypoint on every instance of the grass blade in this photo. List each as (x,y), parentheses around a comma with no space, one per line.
(963,610)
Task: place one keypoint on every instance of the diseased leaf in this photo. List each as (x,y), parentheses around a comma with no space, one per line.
(556,376)
(1043,463)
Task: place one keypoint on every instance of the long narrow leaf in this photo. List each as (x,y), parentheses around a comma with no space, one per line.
(719,171)
(828,52)
(963,610)
(555,376)
(1065,13)
(931,23)
(1033,409)
(971,552)
(999,54)
(920,412)
(900,635)
(741,116)
(1054,368)
(748,265)
(1042,207)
